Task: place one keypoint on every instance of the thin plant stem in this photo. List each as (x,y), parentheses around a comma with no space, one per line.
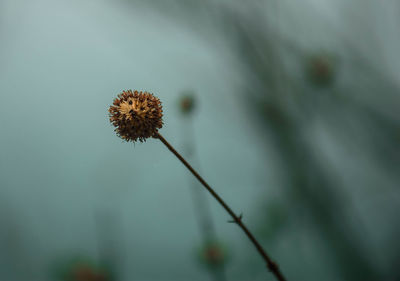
(272,266)
(201,204)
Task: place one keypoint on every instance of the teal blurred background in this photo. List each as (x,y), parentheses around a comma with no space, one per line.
(295,122)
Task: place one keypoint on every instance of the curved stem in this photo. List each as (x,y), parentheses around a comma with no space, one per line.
(273,267)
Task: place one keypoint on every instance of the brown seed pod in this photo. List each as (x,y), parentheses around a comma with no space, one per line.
(136,115)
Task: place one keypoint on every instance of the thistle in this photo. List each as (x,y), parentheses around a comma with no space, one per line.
(138,116)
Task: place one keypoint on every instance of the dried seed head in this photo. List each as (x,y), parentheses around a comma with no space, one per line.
(187,102)
(136,115)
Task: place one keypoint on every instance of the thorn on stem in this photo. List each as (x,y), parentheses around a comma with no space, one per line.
(272,266)
(236,220)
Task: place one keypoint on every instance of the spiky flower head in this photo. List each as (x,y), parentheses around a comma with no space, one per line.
(321,69)
(213,254)
(136,115)
(187,102)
